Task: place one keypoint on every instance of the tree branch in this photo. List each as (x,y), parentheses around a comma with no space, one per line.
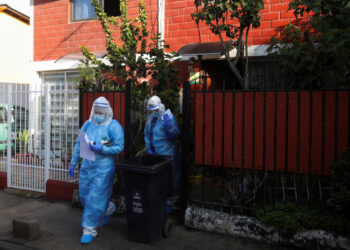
(239,47)
(324,74)
(310,44)
(246,70)
(230,64)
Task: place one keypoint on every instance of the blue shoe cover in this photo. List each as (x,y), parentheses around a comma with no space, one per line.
(86,239)
(170,209)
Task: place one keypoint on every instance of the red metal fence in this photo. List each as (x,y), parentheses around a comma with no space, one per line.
(285,131)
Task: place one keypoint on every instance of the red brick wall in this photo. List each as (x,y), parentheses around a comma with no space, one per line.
(55,35)
(181,29)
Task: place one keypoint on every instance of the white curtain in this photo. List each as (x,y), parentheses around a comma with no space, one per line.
(83,9)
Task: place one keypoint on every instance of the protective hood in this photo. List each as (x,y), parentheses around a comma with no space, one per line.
(101,104)
(153,103)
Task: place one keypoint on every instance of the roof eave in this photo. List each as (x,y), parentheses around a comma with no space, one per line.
(14,13)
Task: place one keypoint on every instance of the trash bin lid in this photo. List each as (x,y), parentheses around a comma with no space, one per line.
(147,164)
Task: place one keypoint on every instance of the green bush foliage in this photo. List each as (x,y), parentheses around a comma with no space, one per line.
(137,60)
(331,216)
(315,50)
(341,176)
(290,219)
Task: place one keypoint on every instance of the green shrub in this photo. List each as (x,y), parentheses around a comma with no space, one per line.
(341,175)
(290,219)
(23,140)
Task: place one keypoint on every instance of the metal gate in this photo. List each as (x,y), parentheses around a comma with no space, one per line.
(38,129)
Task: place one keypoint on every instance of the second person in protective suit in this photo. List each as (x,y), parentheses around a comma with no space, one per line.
(161,133)
(96,177)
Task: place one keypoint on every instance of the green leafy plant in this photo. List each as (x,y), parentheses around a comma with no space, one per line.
(137,60)
(164,72)
(293,59)
(233,19)
(290,219)
(23,140)
(340,197)
(316,49)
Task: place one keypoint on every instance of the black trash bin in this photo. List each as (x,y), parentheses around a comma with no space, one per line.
(146,186)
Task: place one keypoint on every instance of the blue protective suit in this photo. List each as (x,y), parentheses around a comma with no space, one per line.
(96,177)
(160,138)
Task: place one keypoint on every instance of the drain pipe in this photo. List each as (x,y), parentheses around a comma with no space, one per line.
(161,7)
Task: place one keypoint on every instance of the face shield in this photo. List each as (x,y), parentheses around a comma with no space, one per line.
(101,112)
(153,113)
(155,107)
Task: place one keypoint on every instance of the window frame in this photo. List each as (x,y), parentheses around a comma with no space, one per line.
(83,19)
(102,5)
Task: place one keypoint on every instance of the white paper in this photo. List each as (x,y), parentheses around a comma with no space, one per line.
(87,139)
(85,151)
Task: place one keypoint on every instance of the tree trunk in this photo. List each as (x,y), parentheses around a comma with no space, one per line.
(323,73)
(231,64)
(246,68)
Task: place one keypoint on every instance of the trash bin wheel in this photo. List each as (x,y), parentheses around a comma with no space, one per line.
(168,228)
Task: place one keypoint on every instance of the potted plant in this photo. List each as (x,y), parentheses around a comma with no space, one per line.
(22,142)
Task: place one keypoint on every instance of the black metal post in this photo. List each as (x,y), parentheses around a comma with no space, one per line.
(127,129)
(185,145)
(275,155)
(80,108)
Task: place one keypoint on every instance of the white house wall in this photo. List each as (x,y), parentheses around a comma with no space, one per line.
(15,50)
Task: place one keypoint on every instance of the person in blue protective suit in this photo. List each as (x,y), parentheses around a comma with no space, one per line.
(106,139)
(161,133)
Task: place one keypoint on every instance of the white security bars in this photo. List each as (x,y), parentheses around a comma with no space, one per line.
(64,122)
(38,131)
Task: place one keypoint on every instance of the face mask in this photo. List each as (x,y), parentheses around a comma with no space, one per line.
(99,118)
(154,115)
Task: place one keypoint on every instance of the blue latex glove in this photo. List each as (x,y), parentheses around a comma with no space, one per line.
(167,121)
(149,151)
(96,148)
(71,170)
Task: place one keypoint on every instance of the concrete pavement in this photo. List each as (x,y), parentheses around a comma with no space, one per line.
(60,229)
